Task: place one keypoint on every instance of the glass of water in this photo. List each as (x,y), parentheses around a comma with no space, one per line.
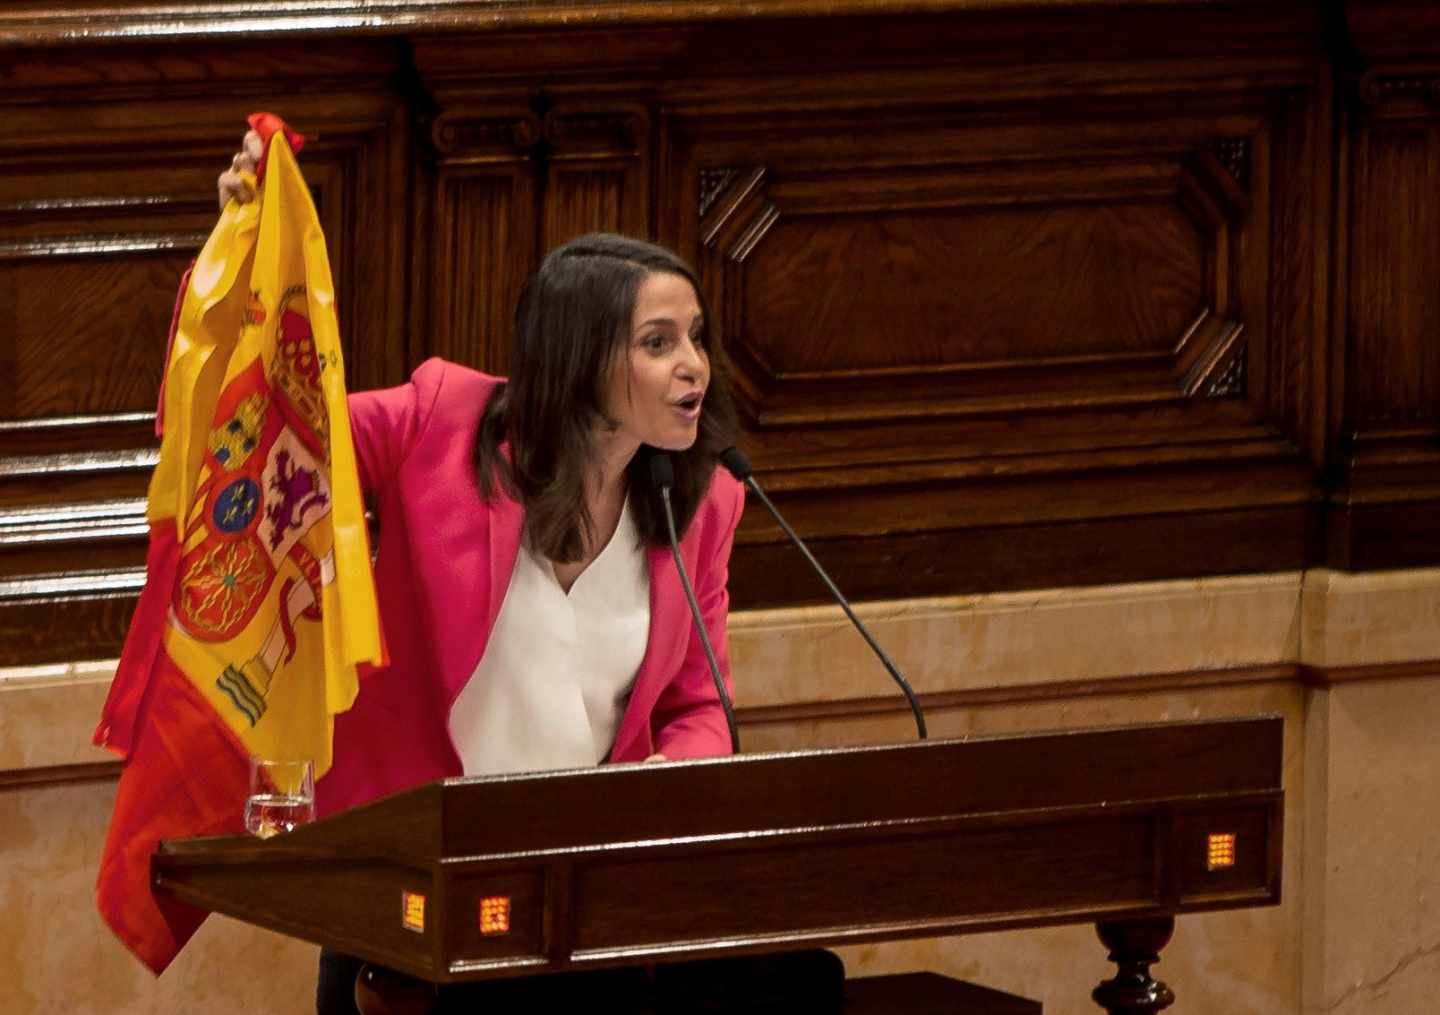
(282,796)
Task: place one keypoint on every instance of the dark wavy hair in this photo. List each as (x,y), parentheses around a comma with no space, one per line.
(574,315)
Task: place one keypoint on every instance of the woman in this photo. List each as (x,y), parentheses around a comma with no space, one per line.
(529,602)
(532,612)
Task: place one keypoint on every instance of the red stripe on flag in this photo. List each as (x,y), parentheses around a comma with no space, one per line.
(186,775)
(143,642)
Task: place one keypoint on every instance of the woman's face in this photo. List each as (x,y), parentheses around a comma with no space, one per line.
(654,391)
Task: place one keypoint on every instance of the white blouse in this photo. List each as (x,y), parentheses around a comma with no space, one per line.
(551,688)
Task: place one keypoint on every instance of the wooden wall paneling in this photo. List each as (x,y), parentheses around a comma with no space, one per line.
(107,191)
(1301,164)
(145,102)
(519,165)
(1385,410)
(958,297)
(60,618)
(1013,298)
(597,170)
(94,235)
(1197,23)
(889,283)
(938,562)
(89,261)
(1395,254)
(485,202)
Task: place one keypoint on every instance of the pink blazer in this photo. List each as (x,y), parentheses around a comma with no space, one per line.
(443,565)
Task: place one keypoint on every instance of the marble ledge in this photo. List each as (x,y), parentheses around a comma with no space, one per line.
(48,713)
(1317,619)
(978,643)
(1370,618)
(57,673)
(1020,639)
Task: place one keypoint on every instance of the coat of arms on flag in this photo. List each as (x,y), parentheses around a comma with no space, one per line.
(259,601)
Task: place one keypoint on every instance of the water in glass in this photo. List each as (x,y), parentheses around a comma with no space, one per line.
(268,814)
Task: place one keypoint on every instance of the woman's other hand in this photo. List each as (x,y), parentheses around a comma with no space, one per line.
(656,757)
(231,184)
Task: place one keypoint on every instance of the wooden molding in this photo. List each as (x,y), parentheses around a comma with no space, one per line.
(59,775)
(1401,92)
(185,22)
(476,135)
(1326,676)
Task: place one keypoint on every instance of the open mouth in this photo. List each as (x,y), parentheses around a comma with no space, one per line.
(690,402)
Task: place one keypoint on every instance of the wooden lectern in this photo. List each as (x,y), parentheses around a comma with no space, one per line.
(468,879)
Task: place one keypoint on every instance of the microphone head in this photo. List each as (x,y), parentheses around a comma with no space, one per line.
(735,461)
(662,470)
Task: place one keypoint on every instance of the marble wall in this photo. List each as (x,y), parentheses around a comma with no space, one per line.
(1352,662)
(1371,921)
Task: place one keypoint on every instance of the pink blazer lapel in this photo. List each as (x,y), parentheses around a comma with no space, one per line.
(670,624)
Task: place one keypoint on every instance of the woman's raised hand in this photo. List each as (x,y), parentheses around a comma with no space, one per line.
(231,183)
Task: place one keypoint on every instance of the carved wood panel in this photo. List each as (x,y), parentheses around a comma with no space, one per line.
(483,253)
(1394,308)
(965,283)
(76,360)
(1385,395)
(516,175)
(93,240)
(597,174)
(967,323)
(482,242)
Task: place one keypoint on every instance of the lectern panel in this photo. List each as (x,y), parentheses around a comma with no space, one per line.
(373,909)
(947,870)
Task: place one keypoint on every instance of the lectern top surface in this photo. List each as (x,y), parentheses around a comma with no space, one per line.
(1044,774)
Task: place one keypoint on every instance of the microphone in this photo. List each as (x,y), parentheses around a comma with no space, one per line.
(662,476)
(739,467)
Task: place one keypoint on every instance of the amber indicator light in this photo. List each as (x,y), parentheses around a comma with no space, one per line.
(412,911)
(1220,851)
(495,914)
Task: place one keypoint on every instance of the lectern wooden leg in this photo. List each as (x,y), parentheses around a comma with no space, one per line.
(381,991)
(1134,944)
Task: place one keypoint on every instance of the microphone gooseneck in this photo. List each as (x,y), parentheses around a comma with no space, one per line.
(738,466)
(662,476)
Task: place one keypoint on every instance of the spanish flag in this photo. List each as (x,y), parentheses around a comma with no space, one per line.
(259,601)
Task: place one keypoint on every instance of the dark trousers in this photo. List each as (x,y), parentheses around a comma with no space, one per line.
(809,981)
